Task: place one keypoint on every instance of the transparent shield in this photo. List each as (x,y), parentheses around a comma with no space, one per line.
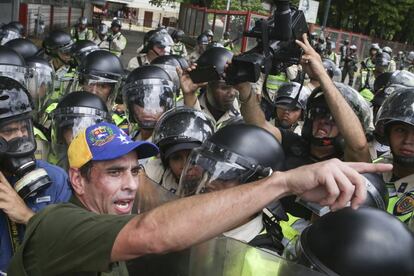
(40,84)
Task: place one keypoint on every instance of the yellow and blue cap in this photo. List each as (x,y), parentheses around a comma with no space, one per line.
(105,141)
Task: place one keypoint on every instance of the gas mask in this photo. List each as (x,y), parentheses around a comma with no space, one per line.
(17,147)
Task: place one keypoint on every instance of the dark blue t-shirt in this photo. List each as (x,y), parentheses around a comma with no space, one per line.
(58,191)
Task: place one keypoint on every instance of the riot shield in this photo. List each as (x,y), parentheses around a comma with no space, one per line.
(150,195)
(220,256)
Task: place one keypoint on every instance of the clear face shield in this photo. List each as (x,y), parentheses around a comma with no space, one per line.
(211,168)
(148,99)
(68,122)
(40,85)
(172,72)
(105,88)
(18,73)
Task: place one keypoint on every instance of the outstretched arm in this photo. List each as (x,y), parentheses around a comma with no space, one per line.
(182,223)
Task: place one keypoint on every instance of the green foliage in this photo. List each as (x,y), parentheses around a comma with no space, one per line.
(386,19)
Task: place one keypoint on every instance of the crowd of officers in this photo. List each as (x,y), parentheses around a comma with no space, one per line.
(80,134)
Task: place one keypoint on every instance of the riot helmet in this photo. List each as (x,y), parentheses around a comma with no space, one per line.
(116,23)
(13,65)
(234,155)
(318,108)
(40,85)
(18,26)
(216,57)
(17,142)
(410,57)
(25,47)
(356,242)
(397,108)
(102,29)
(160,39)
(353,47)
(226,35)
(382,60)
(178,35)
(346,41)
(333,71)
(169,64)
(202,40)
(81,49)
(9,32)
(58,45)
(181,128)
(82,21)
(375,46)
(148,93)
(387,50)
(100,72)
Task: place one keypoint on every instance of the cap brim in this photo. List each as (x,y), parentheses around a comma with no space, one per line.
(144,150)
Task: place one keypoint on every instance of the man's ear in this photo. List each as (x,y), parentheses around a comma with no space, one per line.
(77,181)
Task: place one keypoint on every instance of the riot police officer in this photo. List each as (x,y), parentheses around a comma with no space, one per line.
(176,133)
(350,65)
(202,42)
(156,43)
(81,49)
(393,65)
(74,113)
(117,41)
(36,182)
(148,93)
(179,47)
(395,123)
(290,103)
(101,38)
(81,30)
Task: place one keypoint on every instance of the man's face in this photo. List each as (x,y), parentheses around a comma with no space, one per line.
(324,127)
(288,117)
(82,27)
(161,51)
(112,186)
(102,90)
(401,139)
(177,161)
(114,29)
(14,130)
(143,114)
(222,95)
(65,57)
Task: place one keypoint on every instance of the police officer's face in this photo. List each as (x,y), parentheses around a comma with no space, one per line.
(161,51)
(64,57)
(221,95)
(401,138)
(287,116)
(115,29)
(14,130)
(324,127)
(112,186)
(177,161)
(102,90)
(143,114)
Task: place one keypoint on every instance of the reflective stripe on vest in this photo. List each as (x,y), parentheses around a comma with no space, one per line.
(287,227)
(275,81)
(51,107)
(367,94)
(39,134)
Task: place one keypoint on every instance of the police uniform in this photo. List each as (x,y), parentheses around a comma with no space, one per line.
(161,175)
(400,192)
(102,43)
(77,35)
(138,61)
(117,44)
(179,49)
(58,191)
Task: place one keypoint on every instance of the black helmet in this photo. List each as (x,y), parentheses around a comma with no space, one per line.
(116,23)
(170,63)
(382,59)
(25,47)
(101,66)
(150,88)
(82,48)
(387,50)
(377,192)
(12,65)
(15,100)
(208,33)
(287,94)
(235,154)
(382,81)
(397,108)
(202,39)
(226,34)
(57,41)
(375,46)
(159,38)
(181,128)
(77,111)
(178,35)
(102,29)
(83,20)
(333,71)
(357,242)
(17,25)
(317,105)
(346,41)
(217,57)
(9,32)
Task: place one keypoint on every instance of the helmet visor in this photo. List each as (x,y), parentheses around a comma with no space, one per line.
(172,72)
(210,168)
(40,84)
(9,35)
(17,137)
